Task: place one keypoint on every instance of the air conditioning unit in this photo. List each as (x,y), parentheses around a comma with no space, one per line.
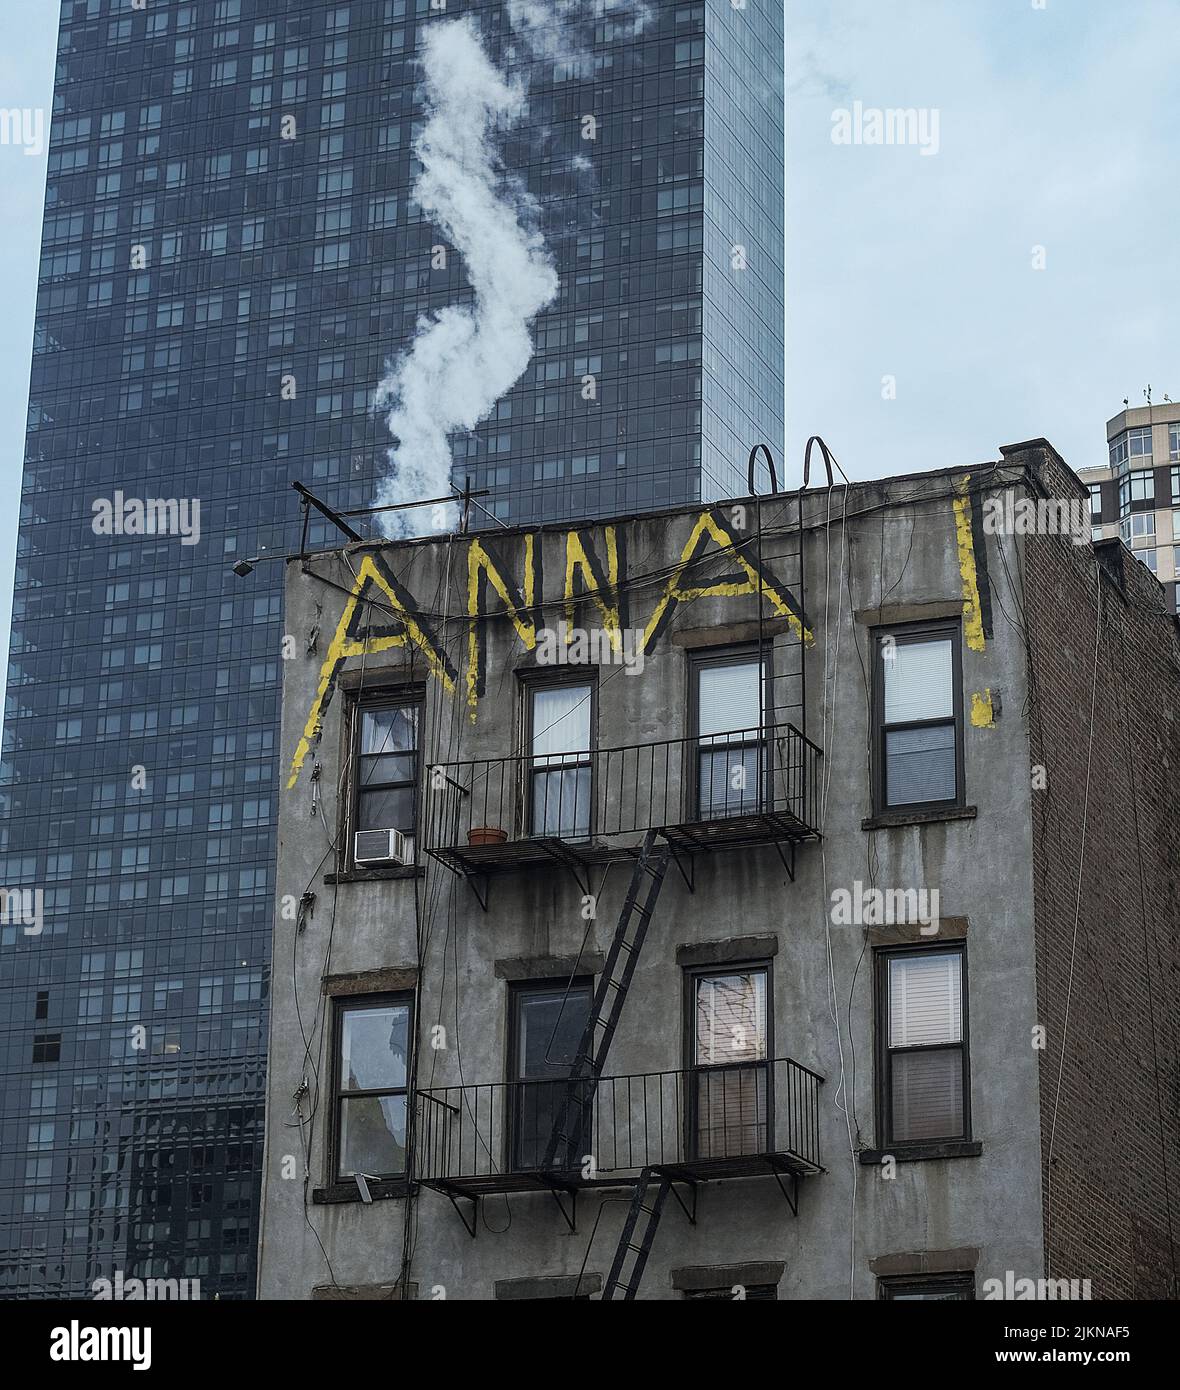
(382,847)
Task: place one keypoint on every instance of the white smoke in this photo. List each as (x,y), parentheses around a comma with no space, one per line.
(463,358)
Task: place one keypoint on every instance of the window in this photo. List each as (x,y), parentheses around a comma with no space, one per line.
(1131,444)
(735,1292)
(1139,528)
(1095,501)
(922,1021)
(729,1100)
(387,767)
(372,1079)
(918,717)
(727,715)
(546,1026)
(560,786)
(942,1287)
(1136,487)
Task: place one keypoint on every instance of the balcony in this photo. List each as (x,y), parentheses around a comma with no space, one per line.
(756,1119)
(746,787)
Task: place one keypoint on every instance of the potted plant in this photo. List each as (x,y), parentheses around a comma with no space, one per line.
(486,835)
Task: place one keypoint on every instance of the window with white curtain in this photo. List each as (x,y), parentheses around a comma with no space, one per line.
(385,767)
(731,767)
(924,1049)
(919,720)
(560,775)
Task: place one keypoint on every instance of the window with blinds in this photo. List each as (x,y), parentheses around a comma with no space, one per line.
(924,1046)
(918,715)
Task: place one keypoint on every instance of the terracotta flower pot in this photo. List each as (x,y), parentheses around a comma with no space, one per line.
(486,835)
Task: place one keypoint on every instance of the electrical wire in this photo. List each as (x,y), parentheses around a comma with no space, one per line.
(829,686)
(980,481)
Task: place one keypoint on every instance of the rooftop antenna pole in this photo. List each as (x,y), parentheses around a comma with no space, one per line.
(305,508)
(322,507)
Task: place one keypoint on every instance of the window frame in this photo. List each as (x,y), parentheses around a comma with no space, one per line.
(517,991)
(884,1053)
(705,658)
(892,1287)
(723,1293)
(911,633)
(1135,481)
(532,682)
(342,1005)
(693,974)
(392,698)
(1095,490)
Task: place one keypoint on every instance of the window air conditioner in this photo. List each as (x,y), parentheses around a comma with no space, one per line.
(382,847)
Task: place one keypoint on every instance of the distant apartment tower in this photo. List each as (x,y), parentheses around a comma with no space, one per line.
(1136,496)
(589,867)
(217,303)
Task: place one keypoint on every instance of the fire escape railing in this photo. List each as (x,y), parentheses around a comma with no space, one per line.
(739,1120)
(759,783)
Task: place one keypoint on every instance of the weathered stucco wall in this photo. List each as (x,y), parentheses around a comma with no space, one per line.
(892,552)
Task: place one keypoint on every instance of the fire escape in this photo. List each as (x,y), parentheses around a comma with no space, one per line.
(657,1133)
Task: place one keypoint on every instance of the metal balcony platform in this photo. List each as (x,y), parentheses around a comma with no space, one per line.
(536,1180)
(762,1165)
(611,797)
(753,1120)
(728,832)
(507,855)
(692,837)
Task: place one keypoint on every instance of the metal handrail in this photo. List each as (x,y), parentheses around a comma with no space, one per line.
(624,789)
(703,1115)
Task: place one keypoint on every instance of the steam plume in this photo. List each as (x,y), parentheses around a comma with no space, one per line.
(464,358)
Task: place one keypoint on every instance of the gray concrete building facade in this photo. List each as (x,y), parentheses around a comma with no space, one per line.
(796,783)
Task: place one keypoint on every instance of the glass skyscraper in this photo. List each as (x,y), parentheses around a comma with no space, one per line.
(231,254)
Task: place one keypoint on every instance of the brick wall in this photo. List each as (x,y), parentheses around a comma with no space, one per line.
(1111,1162)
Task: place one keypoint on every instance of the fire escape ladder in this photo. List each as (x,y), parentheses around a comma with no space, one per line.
(635,1241)
(590,1058)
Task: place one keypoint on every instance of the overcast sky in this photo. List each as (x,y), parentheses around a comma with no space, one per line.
(1056,124)
(1057,129)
